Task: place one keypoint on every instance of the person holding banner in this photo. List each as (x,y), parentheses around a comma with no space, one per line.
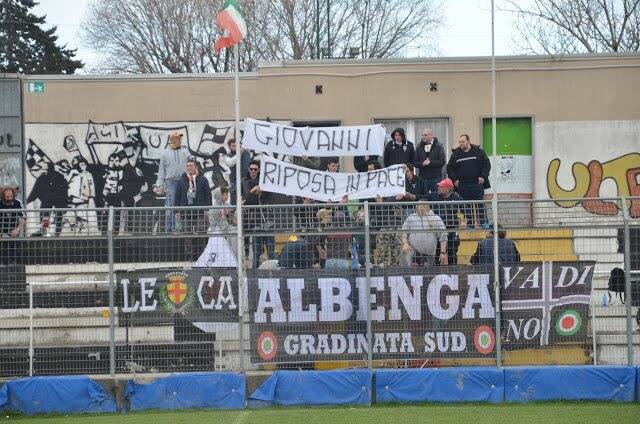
(399,150)
(361,163)
(257,217)
(423,231)
(414,187)
(230,161)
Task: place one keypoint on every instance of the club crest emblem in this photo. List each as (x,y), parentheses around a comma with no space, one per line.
(176,296)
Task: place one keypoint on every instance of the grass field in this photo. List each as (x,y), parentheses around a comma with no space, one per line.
(548,413)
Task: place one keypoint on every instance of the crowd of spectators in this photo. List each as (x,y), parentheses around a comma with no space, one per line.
(403,235)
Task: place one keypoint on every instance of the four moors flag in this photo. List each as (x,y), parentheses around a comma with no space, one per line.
(230,20)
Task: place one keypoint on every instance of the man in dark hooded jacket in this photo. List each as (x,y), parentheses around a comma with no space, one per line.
(399,150)
(469,169)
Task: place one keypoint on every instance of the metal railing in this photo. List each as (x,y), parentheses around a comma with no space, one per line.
(371,284)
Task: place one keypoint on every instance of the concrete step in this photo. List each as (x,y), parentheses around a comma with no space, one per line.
(86,336)
(55,318)
(617,339)
(615,355)
(595,245)
(602,257)
(595,232)
(609,324)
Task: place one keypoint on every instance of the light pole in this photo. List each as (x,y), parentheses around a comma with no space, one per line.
(317,29)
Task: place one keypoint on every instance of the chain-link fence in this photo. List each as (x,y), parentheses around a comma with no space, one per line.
(371,284)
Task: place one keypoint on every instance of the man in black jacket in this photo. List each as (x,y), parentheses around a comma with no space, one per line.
(193,190)
(399,150)
(259,218)
(430,160)
(469,169)
(413,185)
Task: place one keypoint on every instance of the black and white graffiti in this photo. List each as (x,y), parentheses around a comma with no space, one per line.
(98,164)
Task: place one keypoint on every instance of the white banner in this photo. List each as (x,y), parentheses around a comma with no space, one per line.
(217,254)
(277,176)
(364,140)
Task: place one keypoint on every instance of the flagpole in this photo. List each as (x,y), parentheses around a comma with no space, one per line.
(494,198)
(240,239)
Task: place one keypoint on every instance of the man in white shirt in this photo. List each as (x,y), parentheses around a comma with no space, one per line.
(423,230)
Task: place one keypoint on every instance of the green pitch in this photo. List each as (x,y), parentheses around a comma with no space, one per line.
(547,413)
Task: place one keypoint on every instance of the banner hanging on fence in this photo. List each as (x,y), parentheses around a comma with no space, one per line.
(299,316)
(156,296)
(277,176)
(360,140)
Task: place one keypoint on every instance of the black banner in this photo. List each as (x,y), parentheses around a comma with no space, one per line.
(159,296)
(545,304)
(416,313)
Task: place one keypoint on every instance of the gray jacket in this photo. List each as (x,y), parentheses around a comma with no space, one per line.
(172,165)
(425,231)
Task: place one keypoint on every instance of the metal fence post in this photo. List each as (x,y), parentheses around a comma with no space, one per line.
(30,330)
(241,291)
(112,287)
(367,268)
(627,278)
(496,279)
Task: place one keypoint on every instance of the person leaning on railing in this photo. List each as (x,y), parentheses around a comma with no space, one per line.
(11,224)
(423,230)
(337,240)
(507,250)
(443,205)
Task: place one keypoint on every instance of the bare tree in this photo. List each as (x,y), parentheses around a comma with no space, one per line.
(577,26)
(152,36)
(178,35)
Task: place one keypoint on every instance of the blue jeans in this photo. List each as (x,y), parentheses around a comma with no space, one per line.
(337,264)
(258,242)
(171,187)
(431,184)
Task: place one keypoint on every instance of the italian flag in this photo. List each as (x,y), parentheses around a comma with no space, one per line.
(230,20)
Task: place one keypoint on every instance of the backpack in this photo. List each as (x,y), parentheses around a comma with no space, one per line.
(616,284)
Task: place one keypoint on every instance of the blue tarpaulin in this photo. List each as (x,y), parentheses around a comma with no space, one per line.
(638,384)
(440,385)
(63,395)
(337,387)
(189,391)
(612,383)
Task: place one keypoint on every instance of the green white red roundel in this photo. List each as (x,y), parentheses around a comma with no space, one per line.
(267,345)
(569,323)
(484,339)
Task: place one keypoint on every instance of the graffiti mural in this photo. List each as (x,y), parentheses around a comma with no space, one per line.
(101,164)
(110,164)
(589,162)
(623,170)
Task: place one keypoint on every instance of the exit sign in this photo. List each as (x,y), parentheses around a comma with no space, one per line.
(36,87)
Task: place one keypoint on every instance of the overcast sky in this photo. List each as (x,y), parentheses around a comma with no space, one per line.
(467,29)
